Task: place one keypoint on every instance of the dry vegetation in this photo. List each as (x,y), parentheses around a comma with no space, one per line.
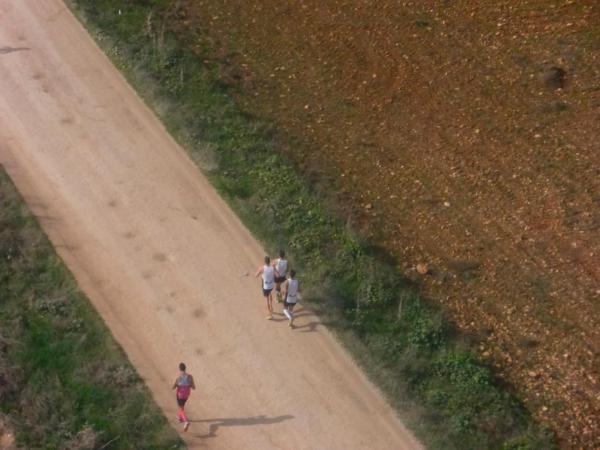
(462,135)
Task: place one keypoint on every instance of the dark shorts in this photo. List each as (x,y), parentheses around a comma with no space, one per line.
(279,280)
(289,304)
(181,401)
(266,292)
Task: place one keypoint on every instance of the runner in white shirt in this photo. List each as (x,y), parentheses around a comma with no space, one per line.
(268,282)
(281,269)
(291,291)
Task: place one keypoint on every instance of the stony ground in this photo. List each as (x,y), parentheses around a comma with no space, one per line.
(462,135)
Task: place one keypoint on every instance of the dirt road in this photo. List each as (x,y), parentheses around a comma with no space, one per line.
(162,257)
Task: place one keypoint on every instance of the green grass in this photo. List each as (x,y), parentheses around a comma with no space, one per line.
(445,395)
(64,382)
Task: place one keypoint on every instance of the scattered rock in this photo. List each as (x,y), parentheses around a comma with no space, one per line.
(423,269)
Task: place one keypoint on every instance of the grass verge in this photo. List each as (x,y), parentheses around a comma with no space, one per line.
(399,339)
(64,382)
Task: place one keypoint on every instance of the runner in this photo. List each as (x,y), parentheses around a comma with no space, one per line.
(281,268)
(184,384)
(291,291)
(268,280)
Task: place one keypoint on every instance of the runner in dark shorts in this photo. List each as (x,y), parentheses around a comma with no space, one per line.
(281,268)
(268,282)
(183,384)
(291,290)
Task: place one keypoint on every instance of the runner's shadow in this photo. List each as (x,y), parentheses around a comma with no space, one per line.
(240,422)
(281,317)
(302,314)
(308,327)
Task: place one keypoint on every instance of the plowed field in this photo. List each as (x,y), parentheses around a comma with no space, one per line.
(462,135)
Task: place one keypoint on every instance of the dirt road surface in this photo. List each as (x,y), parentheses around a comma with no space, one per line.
(162,257)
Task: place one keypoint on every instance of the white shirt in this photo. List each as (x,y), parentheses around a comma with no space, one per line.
(281,267)
(268,277)
(292,290)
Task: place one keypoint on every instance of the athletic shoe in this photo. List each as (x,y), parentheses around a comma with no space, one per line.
(186,426)
(270,317)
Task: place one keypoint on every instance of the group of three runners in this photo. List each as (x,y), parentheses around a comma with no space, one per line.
(273,276)
(276,276)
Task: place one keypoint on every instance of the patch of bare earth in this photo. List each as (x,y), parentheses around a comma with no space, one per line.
(464,135)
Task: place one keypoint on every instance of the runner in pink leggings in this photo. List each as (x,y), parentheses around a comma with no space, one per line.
(183,385)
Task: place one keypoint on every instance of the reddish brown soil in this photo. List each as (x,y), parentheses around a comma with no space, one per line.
(448,141)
